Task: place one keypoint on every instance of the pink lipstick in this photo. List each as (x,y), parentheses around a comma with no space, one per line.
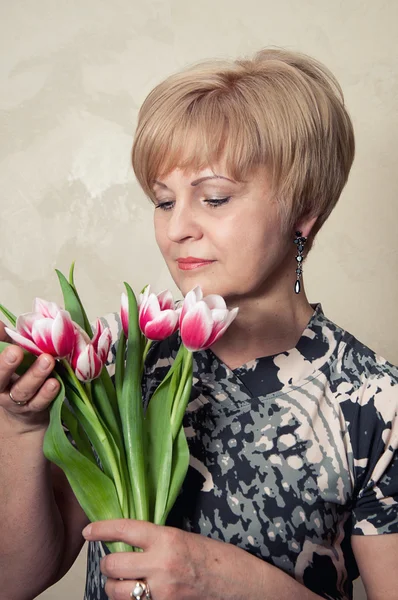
(191,262)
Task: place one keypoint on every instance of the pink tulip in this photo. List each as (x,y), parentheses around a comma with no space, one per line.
(124,314)
(156,314)
(48,329)
(102,341)
(157,317)
(89,356)
(204,320)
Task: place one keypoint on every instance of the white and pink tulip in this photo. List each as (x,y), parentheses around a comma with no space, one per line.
(102,340)
(46,330)
(156,314)
(204,320)
(89,356)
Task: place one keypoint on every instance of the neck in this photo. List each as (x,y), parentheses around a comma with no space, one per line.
(264,326)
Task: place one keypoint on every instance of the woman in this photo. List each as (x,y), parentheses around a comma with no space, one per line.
(292,422)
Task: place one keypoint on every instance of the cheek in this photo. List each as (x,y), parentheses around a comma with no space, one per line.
(160,235)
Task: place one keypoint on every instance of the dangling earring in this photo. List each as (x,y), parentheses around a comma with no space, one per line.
(300,241)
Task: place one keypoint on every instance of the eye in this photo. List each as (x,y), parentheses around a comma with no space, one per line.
(165,205)
(214,202)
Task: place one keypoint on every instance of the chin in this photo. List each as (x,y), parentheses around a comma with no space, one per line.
(208,287)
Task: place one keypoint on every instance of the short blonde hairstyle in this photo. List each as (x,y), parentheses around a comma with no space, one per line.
(280,109)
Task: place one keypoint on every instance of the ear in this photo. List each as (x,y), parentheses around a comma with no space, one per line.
(305,225)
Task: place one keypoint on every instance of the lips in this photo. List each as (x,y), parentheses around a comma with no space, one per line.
(192,262)
(192,259)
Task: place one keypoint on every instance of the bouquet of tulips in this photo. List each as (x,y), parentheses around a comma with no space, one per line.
(121,461)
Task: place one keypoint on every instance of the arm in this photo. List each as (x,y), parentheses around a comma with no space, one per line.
(180,565)
(40,520)
(377,559)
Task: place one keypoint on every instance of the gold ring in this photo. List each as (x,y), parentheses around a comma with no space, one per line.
(17,402)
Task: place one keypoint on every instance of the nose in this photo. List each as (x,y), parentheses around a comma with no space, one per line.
(183,223)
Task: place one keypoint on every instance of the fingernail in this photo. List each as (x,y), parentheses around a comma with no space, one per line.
(53,385)
(11,357)
(86,531)
(44,363)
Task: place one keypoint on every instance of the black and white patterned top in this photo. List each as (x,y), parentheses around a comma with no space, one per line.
(291,454)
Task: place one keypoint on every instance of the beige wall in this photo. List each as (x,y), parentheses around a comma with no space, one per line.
(73,74)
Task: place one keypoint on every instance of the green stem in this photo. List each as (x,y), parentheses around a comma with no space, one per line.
(179,405)
(131,412)
(77,384)
(89,392)
(116,470)
(145,353)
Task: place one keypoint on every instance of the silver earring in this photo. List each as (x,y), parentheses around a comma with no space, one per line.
(300,242)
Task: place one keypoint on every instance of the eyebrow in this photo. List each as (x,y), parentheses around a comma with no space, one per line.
(197,181)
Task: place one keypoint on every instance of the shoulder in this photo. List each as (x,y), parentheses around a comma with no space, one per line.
(365,386)
(357,364)
(361,382)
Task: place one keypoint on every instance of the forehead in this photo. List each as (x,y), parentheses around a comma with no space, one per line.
(256,180)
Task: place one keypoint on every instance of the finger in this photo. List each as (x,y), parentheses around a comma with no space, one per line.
(3,336)
(124,565)
(120,590)
(140,534)
(27,386)
(42,399)
(10,359)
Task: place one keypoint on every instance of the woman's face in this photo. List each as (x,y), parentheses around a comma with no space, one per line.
(221,234)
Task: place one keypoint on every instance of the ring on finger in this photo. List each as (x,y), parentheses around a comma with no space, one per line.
(141,588)
(17,402)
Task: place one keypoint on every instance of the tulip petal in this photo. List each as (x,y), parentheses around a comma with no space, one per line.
(192,298)
(46,309)
(104,344)
(165,300)
(165,324)
(196,326)
(63,334)
(144,295)
(124,314)
(148,311)
(88,364)
(42,335)
(215,301)
(25,322)
(81,342)
(221,323)
(23,342)
(99,328)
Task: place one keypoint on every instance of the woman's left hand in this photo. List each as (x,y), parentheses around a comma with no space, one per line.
(176,564)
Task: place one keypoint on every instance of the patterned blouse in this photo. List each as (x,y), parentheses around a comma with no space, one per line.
(291,454)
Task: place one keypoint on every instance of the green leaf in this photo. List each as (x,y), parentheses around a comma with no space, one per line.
(8,315)
(72,274)
(109,412)
(183,394)
(120,366)
(73,304)
(94,491)
(178,470)
(160,441)
(101,439)
(131,412)
(87,325)
(77,432)
(110,390)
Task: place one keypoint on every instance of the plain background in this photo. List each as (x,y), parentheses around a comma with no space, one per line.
(73,74)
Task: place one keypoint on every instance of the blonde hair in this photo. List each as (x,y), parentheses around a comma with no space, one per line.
(281,110)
